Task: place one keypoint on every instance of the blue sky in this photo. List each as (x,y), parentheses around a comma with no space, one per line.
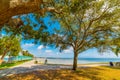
(42,51)
(48,51)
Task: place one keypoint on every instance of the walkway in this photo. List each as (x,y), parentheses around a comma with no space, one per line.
(26,67)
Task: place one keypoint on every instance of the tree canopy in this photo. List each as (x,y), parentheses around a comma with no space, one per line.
(21,7)
(27,53)
(86,24)
(9,45)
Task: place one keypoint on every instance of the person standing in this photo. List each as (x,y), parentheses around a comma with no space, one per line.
(46,61)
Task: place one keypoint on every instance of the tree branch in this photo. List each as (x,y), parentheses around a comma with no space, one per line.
(23,9)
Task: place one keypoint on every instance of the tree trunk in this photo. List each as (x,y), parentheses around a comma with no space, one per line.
(75,60)
(1,60)
(3,56)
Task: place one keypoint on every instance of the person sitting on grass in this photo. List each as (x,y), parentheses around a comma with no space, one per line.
(111,64)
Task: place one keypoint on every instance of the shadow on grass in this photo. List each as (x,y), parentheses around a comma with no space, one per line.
(91,73)
(115,67)
(55,74)
(40,75)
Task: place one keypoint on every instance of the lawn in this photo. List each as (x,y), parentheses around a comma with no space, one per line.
(93,73)
(7,65)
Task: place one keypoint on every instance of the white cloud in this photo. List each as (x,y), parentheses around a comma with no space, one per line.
(69,50)
(47,47)
(28,45)
(57,53)
(40,47)
(48,51)
(3,34)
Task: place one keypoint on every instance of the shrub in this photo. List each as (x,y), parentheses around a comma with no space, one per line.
(36,62)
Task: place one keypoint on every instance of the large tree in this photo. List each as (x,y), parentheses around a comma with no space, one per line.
(9,45)
(86,24)
(27,53)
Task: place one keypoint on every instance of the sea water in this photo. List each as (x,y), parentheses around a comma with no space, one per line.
(80,60)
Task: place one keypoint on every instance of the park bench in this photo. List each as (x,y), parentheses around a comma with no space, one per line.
(117,64)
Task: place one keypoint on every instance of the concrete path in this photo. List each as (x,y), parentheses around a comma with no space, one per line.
(26,67)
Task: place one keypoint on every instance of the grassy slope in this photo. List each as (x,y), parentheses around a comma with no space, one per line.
(95,73)
(7,65)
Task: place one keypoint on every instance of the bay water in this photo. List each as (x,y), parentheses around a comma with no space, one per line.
(80,60)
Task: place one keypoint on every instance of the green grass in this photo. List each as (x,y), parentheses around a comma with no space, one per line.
(7,65)
(88,73)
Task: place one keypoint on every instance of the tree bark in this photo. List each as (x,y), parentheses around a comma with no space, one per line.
(75,60)
(1,59)
(8,13)
(5,15)
(3,56)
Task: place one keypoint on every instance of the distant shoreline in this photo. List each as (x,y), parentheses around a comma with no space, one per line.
(65,61)
(72,58)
